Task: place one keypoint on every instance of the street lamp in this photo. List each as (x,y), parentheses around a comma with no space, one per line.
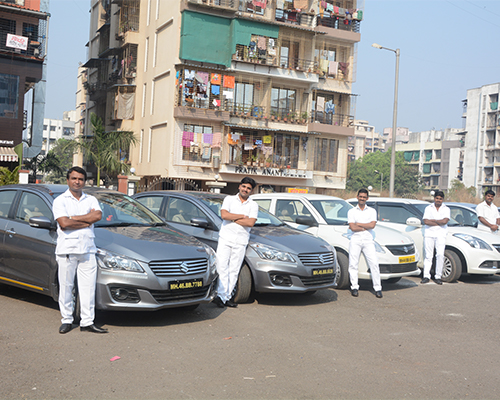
(394,119)
(381,179)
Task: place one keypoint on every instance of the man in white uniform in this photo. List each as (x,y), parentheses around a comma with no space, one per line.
(239,214)
(436,217)
(487,212)
(362,219)
(76,212)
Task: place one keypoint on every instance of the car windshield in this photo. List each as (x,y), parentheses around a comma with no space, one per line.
(263,219)
(333,211)
(121,210)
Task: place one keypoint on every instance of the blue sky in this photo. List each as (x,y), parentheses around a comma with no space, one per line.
(447,47)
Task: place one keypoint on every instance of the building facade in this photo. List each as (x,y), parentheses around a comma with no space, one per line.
(23,46)
(482,138)
(364,141)
(228,88)
(438,154)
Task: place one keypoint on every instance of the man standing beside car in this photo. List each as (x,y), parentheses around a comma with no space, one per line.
(487,213)
(436,217)
(239,214)
(75,213)
(362,219)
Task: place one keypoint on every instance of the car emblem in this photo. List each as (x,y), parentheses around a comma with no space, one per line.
(405,249)
(184,267)
(322,259)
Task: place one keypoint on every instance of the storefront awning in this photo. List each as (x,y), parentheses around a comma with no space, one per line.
(8,154)
(262,128)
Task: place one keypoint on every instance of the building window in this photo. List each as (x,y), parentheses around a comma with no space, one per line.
(243,97)
(68,131)
(9,95)
(197,143)
(6,26)
(283,102)
(52,128)
(326,155)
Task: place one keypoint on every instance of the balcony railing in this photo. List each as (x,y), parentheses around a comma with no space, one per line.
(231,4)
(332,119)
(353,26)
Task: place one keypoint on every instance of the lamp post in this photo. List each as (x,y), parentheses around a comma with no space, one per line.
(381,179)
(394,119)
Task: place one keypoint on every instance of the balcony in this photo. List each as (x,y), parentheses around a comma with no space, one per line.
(231,5)
(339,124)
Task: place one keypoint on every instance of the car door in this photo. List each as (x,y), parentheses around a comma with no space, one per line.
(6,201)
(179,212)
(30,252)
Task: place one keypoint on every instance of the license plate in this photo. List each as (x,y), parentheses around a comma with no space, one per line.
(188,284)
(323,271)
(407,259)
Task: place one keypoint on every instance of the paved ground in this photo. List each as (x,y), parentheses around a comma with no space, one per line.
(417,342)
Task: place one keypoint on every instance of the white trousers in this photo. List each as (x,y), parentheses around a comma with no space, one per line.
(85,267)
(356,246)
(229,259)
(431,243)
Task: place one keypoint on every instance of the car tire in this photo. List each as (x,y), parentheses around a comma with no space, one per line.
(243,287)
(343,278)
(452,267)
(392,280)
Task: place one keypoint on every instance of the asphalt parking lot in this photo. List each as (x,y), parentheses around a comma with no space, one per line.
(417,342)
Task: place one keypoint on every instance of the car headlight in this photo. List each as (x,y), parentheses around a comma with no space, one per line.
(473,241)
(212,259)
(378,248)
(271,253)
(113,262)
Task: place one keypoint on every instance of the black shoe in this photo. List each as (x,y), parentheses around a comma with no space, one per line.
(424,280)
(218,302)
(354,292)
(231,304)
(378,294)
(65,328)
(92,328)
(438,281)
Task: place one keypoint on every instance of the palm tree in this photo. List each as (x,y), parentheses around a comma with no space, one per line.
(103,148)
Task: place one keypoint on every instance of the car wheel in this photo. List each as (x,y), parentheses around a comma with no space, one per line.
(343,274)
(243,287)
(393,280)
(452,267)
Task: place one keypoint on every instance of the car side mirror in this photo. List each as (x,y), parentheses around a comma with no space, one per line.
(412,221)
(306,220)
(200,223)
(42,222)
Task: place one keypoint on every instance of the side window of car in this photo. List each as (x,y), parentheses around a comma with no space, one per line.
(393,213)
(6,199)
(289,210)
(32,205)
(264,203)
(458,215)
(182,211)
(152,202)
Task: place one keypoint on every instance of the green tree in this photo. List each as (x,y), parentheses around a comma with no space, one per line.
(361,173)
(8,177)
(62,154)
(105,149)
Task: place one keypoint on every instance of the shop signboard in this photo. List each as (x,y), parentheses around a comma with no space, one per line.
(271,172)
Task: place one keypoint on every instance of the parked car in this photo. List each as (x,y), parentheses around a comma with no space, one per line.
(464,214)
(278,258)
(326,217)
(468,250)
(143,264)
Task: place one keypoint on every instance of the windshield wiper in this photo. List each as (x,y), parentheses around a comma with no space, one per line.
(159,224)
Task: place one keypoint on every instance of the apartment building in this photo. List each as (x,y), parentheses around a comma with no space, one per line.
(23,45)
(482,138)
(364,141)
(438,154)
(228,88)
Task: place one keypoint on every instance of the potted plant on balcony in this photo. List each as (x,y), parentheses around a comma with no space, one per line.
(304,117)
(293,116)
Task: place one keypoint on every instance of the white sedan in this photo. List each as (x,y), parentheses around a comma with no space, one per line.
(326,217)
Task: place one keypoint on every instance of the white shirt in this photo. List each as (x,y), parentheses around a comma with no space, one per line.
(75,241)
(363,216)
(231,231)
(431,212)
(489,213)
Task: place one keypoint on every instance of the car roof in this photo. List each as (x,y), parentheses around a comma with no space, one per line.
(308,196)
(392,200)
(187,193)
(455,203)
(55,188)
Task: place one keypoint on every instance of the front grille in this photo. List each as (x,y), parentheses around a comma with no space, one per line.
(317,280)
(163,296)
(402,250)
(179,267)
(317,260)
(497,247)
(396,268)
